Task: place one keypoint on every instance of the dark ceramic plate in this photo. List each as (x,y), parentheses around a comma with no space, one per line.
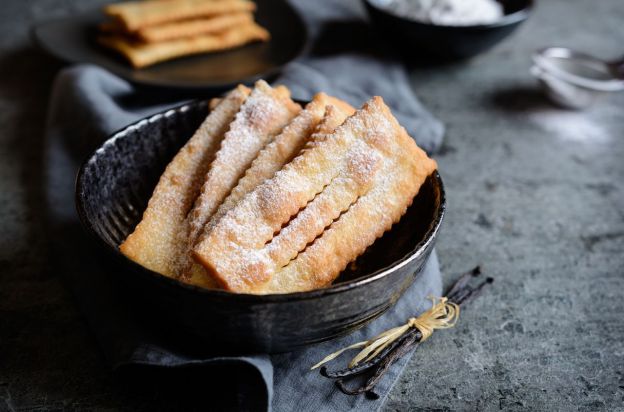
(418,40)
(112,191)
(72,39)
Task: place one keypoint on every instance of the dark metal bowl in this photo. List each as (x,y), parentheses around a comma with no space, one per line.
(112,191)
(419,40)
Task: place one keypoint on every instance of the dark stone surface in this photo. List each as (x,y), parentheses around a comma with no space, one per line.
(535,194)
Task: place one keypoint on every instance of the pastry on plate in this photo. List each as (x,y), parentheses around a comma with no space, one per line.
(141,54)
(151,31)
(194,27)
(134,15)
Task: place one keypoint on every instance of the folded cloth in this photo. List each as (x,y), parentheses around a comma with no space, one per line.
(88,104)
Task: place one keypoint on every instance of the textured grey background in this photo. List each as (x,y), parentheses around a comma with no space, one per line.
(535,194)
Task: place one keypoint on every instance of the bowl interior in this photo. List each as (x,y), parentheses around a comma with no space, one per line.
(116,182)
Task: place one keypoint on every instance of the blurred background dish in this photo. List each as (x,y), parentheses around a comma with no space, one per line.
(400,23)
(72,39)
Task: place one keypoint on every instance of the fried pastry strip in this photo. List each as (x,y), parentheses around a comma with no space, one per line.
(230,251)
(234,242)
(284,148)
(403,171)
(214,102)
(235,252)
(355,180)
(265,113)
(273,157)
(155,241)
(137,14)
(146,54)
(194,27)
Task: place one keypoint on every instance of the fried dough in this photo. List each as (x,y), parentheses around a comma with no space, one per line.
(194,27)
(402,172)
(212,103)
(138,14)
(354,180)
(146,54)
(155,242)
(275,155)
(264,114)
(336,177)
(284,148)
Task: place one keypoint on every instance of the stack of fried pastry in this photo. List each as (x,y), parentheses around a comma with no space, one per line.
(269,197)
(151,31)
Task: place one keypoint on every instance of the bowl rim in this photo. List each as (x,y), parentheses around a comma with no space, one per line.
(419,249)
(507,19)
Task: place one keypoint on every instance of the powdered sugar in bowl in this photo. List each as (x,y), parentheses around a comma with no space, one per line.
(446,29)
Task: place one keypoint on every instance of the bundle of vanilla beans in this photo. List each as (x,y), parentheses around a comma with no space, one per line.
(372,367)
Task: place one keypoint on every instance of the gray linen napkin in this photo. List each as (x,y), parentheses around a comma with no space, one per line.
(89,103)
(348,59)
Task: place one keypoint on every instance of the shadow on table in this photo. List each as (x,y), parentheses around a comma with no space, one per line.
(519,99)
(26,77)
(356,36)
(188,388)
(347,36)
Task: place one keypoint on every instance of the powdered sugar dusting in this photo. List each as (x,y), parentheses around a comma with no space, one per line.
(365,158)
(262,116)
(395,184)
(570,126)
(274,156)
(155,242)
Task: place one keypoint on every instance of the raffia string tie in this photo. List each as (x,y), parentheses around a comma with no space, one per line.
(442,315)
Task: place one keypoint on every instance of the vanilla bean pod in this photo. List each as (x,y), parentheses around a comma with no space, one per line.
(364,366)
(383,366)
(457,293)
(460,293)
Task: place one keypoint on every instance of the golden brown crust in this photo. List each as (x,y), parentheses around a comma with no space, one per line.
(138,14)
(265,113)
(146,54)
(404,170)
(154,242)
(212,103)
(276,154)
(194,27)
(365,174)
(284,148)
(269,198)
(232,251)
(354,180)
